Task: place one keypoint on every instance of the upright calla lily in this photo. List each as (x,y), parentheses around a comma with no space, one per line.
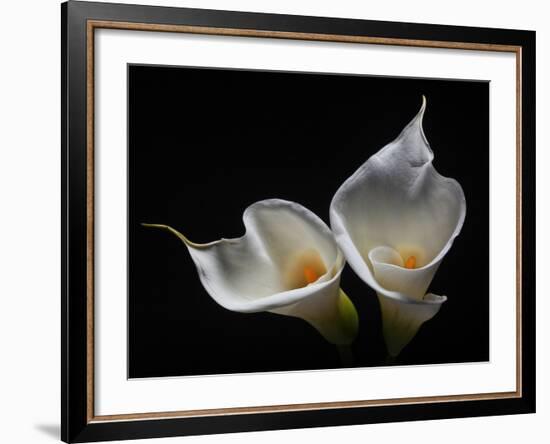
(395,219)
(286,263)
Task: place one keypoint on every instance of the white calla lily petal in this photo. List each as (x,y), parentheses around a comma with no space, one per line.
(395,219)
(287,263)
(390,273)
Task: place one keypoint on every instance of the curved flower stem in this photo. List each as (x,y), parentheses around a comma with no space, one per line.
(346,355)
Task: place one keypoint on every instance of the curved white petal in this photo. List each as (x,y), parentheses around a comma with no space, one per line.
(287,263)
(394,207)
(390,273)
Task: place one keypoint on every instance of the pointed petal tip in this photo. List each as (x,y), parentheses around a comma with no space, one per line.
(434,298)
(175,233)
(422,109)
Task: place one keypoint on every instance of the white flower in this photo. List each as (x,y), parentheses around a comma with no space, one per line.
(287,263)
(395,219)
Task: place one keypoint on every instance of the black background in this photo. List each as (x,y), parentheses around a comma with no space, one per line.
(205,143)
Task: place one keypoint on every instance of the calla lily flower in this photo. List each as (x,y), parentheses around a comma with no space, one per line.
(286,263)
(395,219)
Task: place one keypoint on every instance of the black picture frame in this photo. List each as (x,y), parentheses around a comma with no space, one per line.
(78,423)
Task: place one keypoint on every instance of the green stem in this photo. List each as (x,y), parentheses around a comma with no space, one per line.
(346,355)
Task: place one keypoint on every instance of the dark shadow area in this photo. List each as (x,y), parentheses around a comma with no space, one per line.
(51,430)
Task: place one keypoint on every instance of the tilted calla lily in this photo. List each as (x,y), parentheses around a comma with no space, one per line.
(395,219)
(287,263)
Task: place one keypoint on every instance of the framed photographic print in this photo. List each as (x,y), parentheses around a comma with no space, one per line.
(275,221)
